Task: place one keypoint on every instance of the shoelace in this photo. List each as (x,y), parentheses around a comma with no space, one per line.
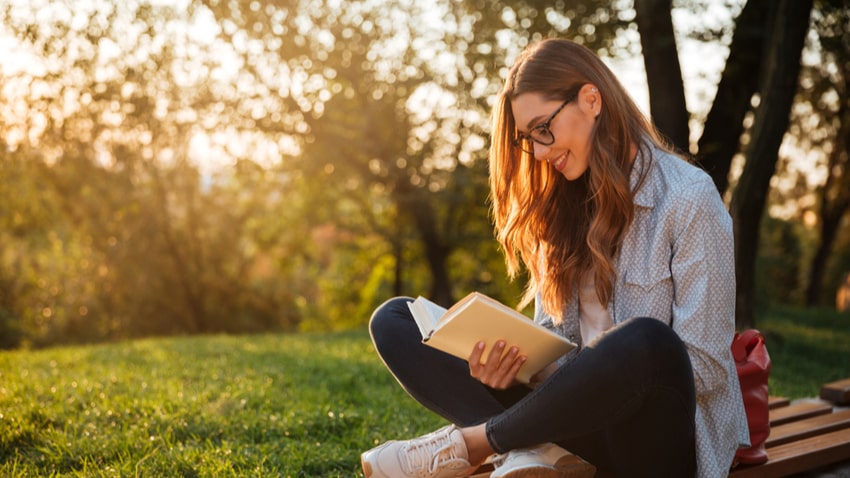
(427,452)
(498,459)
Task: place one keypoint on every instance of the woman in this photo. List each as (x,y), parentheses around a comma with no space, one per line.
(629,252)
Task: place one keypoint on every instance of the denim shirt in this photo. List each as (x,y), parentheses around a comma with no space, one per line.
(677,264)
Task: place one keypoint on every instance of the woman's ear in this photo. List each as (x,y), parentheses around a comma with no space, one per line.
(590,100)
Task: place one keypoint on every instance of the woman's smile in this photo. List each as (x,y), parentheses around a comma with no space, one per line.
(559,162)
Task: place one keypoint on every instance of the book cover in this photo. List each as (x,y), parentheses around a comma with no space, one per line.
(478,317)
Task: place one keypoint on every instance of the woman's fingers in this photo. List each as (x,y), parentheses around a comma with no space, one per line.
(500,369)
(475,365)
(510,375)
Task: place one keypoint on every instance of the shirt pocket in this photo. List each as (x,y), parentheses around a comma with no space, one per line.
(647,292)
(645,279)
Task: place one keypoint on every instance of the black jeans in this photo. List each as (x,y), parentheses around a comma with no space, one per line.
(626,404)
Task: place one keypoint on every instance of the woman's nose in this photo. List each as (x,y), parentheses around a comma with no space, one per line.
(540,151)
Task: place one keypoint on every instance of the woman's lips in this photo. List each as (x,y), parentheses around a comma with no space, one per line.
(559,162)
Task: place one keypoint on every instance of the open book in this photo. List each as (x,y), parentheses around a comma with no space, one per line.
(477,317)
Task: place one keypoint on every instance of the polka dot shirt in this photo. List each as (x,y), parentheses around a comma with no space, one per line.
(676,264)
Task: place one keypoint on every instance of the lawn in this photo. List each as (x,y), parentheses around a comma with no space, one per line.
(264,405)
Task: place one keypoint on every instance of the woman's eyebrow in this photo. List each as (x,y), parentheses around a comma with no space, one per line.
(532,123)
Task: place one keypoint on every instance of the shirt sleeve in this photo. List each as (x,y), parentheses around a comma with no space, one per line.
(703,270)
(566,328)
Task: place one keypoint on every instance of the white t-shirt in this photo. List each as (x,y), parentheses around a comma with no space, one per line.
(594,318)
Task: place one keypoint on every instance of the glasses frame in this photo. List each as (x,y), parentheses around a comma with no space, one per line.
(541,133)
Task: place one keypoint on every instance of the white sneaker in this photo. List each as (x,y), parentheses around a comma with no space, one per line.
(543,461)
(441,454)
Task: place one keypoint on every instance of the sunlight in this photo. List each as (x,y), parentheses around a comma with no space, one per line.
(201,36)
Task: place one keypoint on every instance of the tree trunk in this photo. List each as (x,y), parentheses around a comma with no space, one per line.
(436,250)
(195,319)
(441,288)
(724,124)
(781,68)
(834,199)
(664,75)
(398,282)
(828,232)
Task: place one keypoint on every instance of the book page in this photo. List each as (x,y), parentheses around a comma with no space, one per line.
(426,314)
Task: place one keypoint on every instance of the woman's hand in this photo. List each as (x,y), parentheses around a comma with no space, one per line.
(501,368)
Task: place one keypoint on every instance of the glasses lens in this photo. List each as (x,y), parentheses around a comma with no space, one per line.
(542,135)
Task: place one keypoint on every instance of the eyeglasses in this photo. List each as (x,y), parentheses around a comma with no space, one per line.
(540,133)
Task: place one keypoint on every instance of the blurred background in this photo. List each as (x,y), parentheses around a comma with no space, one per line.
(236,166)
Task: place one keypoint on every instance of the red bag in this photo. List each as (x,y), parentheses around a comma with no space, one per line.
(753,364)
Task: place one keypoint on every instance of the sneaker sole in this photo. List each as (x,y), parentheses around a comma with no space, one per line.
(566,467)
(367,468)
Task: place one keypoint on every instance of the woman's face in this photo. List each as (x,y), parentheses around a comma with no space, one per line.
(570,126)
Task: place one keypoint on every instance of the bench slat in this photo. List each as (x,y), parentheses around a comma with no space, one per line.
(776,402)
(797,411)
(802,455)
(808,427)
(837,392)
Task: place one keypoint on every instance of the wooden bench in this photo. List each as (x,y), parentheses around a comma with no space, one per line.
(837,392)
(799,411)
(804,436)
(801,429)
(775,402)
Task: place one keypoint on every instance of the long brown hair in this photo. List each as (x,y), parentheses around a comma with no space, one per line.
(564,231)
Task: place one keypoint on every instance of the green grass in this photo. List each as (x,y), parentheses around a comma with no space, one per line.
(807,347)
(265,405)
(268,405)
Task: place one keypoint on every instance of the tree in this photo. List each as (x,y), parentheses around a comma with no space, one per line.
(499,31)
(661,59)
(829,93)
(145,242)
(27,214)
(721,137)
(356,136)
(772,30)
(397,93)
(777,91)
